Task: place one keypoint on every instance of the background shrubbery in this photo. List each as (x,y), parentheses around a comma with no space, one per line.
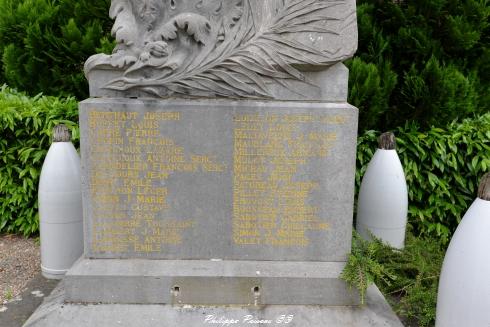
(407,277)
(442,165)
(25,128)
(44,43)
(421,60)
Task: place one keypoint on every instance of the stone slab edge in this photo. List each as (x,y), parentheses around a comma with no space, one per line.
(54,312)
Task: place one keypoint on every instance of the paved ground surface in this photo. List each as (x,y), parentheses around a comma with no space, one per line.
(19,263)
(18,311)
(22,287)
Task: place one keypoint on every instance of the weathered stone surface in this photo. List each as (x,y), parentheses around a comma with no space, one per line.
(232,48)
(54,312)
(227,282)
(244,180)
(328,85)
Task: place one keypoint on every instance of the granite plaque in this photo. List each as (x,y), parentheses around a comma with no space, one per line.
(176,179)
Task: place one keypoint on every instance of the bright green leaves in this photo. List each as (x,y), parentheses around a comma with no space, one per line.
(408,278)
(442,168)
(25,130)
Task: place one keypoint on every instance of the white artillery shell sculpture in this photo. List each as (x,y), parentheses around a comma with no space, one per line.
(464,286)
(60,206)
(383,197)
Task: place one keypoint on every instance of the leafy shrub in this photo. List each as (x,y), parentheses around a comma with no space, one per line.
(436,94)
(25,128)
(363,267)
(44,43)
(443,167)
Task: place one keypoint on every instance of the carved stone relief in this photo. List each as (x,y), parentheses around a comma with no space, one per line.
(227,48)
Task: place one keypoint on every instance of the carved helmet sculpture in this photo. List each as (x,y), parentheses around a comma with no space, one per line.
(230,48)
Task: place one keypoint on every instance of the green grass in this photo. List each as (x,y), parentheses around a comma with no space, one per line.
(9,295)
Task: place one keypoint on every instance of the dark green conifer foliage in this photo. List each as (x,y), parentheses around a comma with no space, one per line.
(44,43)
(422,60)
(439,51)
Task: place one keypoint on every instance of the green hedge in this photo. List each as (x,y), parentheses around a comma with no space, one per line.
(428,61)
(44,43)
(420,60)
(26,125)
(443,166)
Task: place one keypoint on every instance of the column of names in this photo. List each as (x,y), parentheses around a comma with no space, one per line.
(271,204)
(131,161)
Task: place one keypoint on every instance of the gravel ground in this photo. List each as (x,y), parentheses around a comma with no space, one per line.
(19,262)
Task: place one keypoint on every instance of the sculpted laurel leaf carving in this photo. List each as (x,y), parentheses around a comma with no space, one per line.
(228,48)
(194,25)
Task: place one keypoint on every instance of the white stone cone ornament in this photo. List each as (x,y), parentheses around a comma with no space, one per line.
(383,197)
(464,286)
(60,206)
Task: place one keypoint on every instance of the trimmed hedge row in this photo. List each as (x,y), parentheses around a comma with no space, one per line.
(442,166)
(420,60)
(26,125)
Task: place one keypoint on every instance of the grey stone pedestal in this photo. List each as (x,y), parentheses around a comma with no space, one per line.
(54,312)
(245,201)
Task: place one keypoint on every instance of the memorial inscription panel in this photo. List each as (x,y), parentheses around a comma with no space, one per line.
(217,180)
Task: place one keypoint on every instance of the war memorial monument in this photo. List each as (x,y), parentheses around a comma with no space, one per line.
(218,162)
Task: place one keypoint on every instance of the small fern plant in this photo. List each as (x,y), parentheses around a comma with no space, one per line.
(363,267)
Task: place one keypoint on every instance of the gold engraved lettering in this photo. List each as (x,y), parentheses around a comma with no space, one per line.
(270,198)
(131,158)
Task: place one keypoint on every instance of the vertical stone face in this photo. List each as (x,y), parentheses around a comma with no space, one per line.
(218,180)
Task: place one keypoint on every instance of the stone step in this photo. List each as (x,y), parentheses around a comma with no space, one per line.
(210,282)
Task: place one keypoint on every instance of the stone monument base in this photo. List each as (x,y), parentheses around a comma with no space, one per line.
(210,282)
(54,312)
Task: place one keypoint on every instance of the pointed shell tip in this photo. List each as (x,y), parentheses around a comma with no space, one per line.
(61,133)
(484,189)
(387,141)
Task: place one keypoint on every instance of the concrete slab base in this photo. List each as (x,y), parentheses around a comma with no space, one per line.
(54,312)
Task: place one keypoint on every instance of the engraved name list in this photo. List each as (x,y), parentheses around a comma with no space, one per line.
(271,169)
